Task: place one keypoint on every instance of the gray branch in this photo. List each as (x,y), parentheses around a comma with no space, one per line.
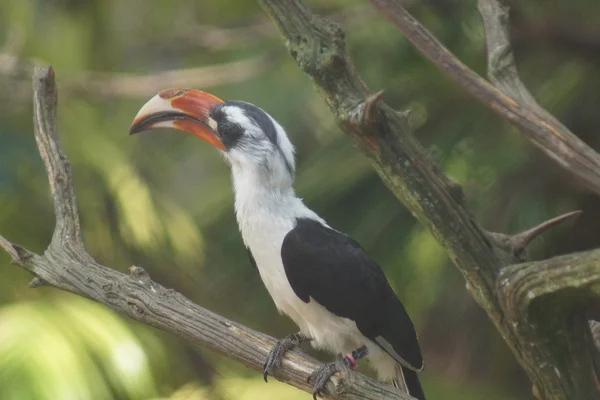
(45,99)
(123,85)
(515,106)
(514,247)
(503,73)
(66,265)
(502,69)
(554,348)
(548,303)
(539,308)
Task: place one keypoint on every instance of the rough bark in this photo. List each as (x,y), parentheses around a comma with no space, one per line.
(66,265)
(539,308)
(510,100)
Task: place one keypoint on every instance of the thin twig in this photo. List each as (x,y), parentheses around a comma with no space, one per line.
(132,85)
(217,38)
(36,282)
(111,85)
(523,239)
(45,98)
(124,85)
(516,244)
(576,157)
(502,70)
(9,248)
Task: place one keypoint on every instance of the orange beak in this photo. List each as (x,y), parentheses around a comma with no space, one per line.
(187,110)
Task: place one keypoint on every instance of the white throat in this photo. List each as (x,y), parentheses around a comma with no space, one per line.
(256,197)
(264,204)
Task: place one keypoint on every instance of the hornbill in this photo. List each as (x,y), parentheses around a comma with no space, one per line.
(318,276)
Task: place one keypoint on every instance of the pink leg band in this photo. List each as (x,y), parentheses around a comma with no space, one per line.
(352,361)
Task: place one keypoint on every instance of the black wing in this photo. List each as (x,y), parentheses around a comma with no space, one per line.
(335,271)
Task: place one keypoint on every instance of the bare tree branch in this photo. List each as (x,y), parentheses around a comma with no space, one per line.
(502,69)
(110,85)
(10,249)
(539,308)
(516,245)
(384,136)
(66,265)
(17,70)
(216,38)
(595,328)
(545,131)
(537,295)
(503,73)
(130,85)
(45,98)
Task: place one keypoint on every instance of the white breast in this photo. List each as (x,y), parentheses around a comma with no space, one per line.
(264,221)
(263,234)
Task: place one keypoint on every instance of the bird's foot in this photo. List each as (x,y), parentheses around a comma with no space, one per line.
(273,359)
(275,355)
(321,376)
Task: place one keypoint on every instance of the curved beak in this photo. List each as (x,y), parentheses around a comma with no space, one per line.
(186,110)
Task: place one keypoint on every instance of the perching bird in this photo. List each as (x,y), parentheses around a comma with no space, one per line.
(318,276)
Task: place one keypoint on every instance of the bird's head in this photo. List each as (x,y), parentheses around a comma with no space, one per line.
(250,139)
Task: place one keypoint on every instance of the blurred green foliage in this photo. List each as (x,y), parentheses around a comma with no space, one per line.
(163,200)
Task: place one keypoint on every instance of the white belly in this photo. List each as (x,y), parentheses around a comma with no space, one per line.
(264,238)
(263,234)
(328,331)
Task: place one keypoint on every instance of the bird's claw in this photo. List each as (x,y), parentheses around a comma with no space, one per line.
(281,346)
(321,376)
(273,359)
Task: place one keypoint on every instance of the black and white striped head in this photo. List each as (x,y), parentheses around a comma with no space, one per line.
(251,140)
(251,136)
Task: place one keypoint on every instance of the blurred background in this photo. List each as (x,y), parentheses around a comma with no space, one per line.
(162,200)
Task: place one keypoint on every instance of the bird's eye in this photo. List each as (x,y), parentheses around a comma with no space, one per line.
(230,133)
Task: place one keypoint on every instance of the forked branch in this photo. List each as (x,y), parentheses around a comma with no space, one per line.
(513,103)
(502,69)
(384,136)
(516,245)
(66,265)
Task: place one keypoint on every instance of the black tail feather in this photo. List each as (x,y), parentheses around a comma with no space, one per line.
(411,381)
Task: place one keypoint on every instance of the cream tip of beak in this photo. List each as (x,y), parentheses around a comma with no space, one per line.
(155,105)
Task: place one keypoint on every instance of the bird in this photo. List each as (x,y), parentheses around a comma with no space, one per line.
(318,276)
